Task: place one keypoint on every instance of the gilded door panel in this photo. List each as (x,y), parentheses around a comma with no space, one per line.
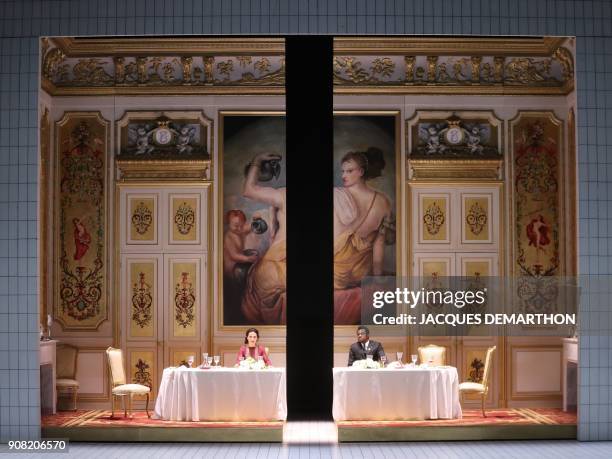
(185,296)
(180,355)
(477,264)
(434,217)
(184,219)
(475,218)
(141,296)
(142,219)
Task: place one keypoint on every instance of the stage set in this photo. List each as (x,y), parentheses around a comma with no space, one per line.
(163,234)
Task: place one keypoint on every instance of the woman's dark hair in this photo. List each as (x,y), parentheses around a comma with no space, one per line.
(372,161)
(246,341)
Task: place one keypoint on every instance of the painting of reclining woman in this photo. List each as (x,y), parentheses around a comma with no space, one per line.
(254,216)
(364,207)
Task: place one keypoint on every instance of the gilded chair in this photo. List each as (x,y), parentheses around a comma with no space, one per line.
(433,353)
(66,368)
(481,388)
(118,383)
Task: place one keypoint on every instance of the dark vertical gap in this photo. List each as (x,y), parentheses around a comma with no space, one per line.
(310,332)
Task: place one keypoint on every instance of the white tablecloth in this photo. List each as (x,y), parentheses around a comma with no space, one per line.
(394,394)
(223,394)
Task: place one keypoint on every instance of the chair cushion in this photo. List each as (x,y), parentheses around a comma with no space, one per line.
(131,389)
(66,383)
(471,387)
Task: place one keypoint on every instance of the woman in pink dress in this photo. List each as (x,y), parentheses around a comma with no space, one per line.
(250,348)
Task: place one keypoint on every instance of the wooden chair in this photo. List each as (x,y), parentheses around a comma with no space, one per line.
(480,388)
(66,368)
(118,383)
(437,354)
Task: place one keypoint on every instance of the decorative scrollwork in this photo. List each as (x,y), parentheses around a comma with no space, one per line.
(184,301)
(143,374)
(142,302)
(184,218)
(433,218)
(142,218)
(476,218)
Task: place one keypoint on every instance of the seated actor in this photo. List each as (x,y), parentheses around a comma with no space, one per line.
(364,346)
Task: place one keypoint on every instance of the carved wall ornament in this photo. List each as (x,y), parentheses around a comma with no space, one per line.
(455,138)
(71,66)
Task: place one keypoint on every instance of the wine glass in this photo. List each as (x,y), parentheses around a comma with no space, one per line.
(209,360)
(369,356)
(413,357)
(399,356)
(383,360)
(260,361)
(190,360)
(217,359)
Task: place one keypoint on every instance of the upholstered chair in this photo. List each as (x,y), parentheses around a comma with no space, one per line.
(118,383)
(437,354)
(66,368)
(480,388)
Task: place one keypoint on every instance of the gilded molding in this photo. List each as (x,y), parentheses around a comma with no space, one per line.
(166,170)
(438,169)
(72,66)
(539,66)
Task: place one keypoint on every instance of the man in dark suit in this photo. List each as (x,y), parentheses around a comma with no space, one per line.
(364,346)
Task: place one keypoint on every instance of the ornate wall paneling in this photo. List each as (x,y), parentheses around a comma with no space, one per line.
(81,270)
(164,232)
(85,66)
(411,65)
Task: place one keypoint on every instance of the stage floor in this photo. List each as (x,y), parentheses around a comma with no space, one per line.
(500,424)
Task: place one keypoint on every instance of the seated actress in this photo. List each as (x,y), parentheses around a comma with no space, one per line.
(250,348)
(364,347)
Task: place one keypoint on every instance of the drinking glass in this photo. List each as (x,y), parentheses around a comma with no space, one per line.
(190,360)
(399,356)
(413,357)
(209,360)
(217,358)
(383,359)
(204,359)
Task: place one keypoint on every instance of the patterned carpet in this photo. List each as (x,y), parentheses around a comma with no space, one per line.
(510,416)
(102,418)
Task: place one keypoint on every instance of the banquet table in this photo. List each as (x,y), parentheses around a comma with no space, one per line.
(222,394)
(390,394)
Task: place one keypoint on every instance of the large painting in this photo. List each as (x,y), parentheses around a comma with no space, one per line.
(365,199)
(81,190)
(254,209)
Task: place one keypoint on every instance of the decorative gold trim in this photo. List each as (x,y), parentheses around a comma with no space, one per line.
(482,90)
(502,46)
(219,326)
(91,46)
(97,116)
(422,170)
(572,197)
(43,209)
(126,66)
(163,170)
